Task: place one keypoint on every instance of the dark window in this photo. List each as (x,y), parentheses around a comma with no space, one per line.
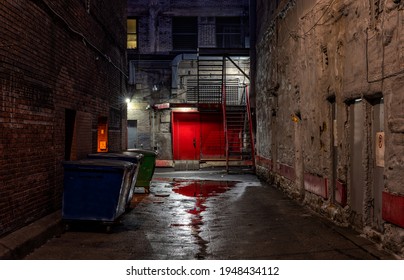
(230,32)
(185,33)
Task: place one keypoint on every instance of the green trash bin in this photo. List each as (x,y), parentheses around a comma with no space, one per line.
(146,169)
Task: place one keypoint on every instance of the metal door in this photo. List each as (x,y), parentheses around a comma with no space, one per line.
(378,166)
(132,134)
(186,135)
(212,136)
(357,174)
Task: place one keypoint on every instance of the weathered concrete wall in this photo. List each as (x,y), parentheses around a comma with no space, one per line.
(329,77)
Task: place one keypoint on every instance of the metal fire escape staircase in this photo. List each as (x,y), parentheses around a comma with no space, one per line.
(210,79)
(215,87)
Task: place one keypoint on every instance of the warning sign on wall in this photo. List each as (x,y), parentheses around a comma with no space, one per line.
(380,149)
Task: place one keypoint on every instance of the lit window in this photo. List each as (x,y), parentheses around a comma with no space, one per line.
(132,34)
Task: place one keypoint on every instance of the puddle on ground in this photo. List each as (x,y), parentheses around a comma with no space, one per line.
(200,190)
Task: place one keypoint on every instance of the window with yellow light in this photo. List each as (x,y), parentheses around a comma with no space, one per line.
(132,33)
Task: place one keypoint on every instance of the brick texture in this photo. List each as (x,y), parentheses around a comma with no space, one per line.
(54,55)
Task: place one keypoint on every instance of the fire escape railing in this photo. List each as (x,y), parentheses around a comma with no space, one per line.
(224,105)
(214,87)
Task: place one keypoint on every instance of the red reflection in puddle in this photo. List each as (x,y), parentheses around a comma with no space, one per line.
(201,190)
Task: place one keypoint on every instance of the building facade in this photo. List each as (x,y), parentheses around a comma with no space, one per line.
(330,100)
(166,43)
(63,75)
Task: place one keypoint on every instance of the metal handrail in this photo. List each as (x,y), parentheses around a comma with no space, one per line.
(224,104)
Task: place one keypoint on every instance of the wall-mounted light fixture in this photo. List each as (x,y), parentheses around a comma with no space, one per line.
(296,117)
(185,109)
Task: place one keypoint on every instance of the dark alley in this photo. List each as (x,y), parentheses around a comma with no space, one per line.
(209,214)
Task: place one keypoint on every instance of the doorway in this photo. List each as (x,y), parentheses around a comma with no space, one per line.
(213,145)
(357,174)
(186,136)
(132,134)
(336,193)
(378,145)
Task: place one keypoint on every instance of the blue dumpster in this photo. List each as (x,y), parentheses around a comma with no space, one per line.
(95,190)
(136,159)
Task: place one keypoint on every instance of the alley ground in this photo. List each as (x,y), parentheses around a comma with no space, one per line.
(209,214)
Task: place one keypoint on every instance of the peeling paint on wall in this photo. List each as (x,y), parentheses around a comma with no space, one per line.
(345,51)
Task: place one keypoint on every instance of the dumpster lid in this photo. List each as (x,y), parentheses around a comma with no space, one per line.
(96,163)
(142,151)
(118,156)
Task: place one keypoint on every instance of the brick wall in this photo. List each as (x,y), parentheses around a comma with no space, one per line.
(54,55)
(154,18)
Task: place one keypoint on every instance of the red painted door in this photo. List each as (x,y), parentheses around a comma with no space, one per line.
(186,135)
(212,136)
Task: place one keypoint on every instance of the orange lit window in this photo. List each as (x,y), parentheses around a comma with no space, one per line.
(102,135)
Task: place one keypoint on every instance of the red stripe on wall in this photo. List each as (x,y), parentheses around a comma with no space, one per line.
(316,184)
(287,171)
(312,183)
(393,208)
(264,162)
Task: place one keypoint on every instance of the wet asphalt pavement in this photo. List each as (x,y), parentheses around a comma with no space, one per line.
(209,214)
